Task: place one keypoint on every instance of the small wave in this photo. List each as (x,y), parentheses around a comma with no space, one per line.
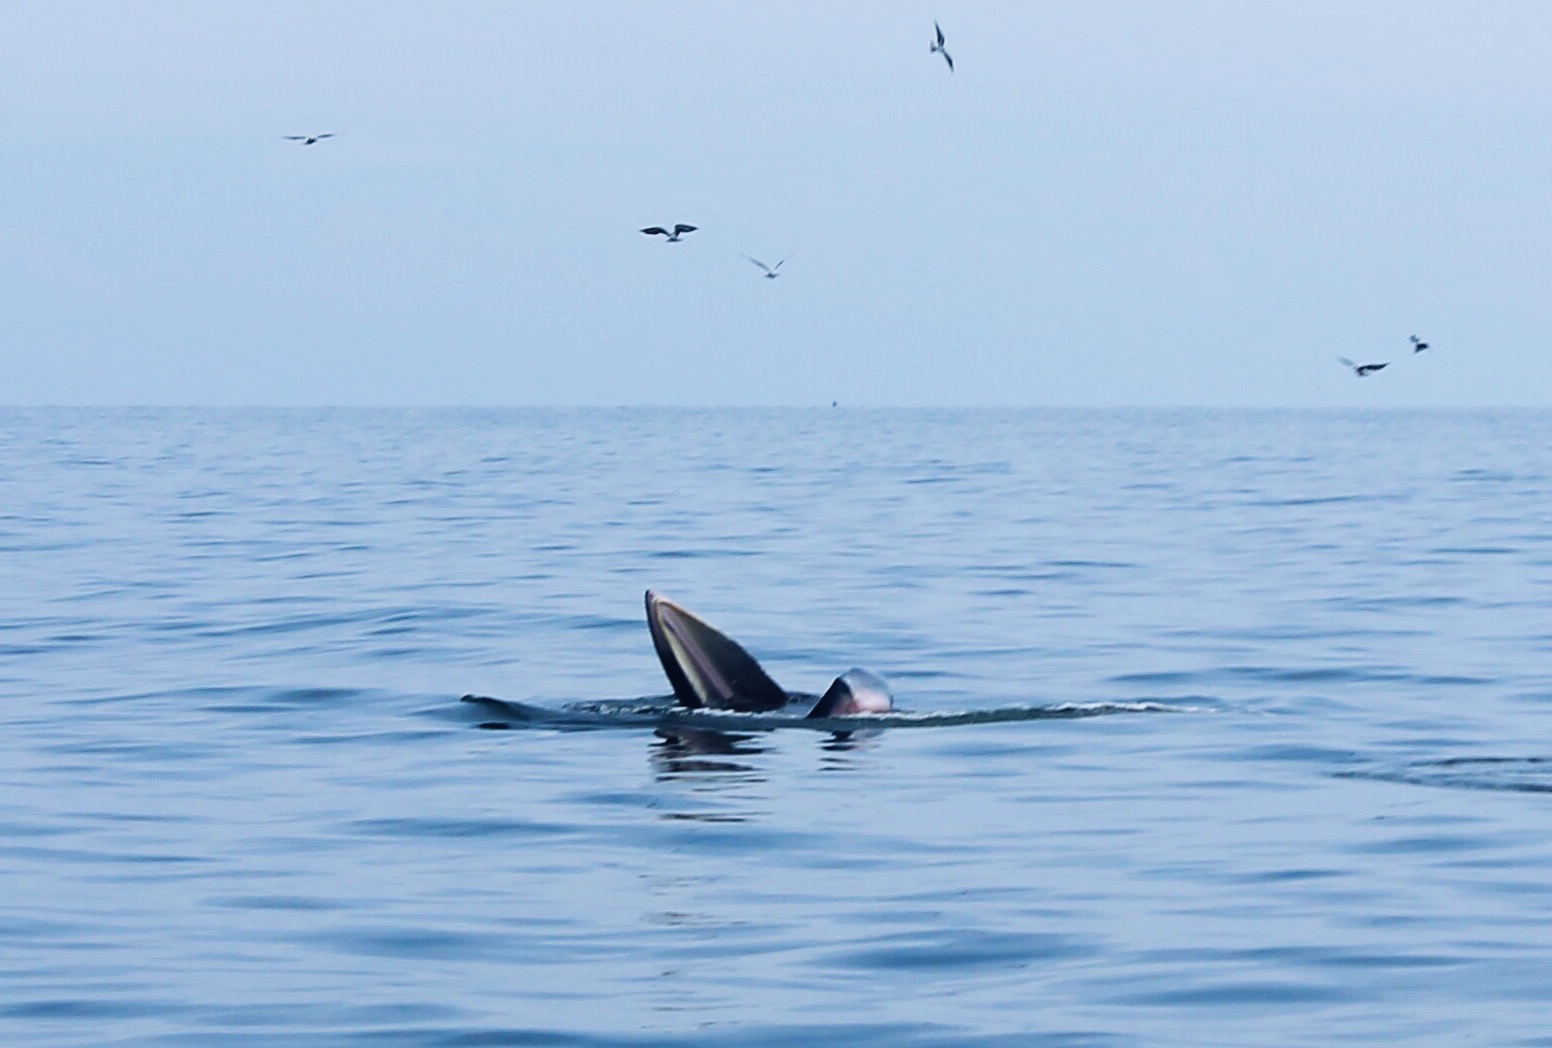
(661,712)
(1510,774)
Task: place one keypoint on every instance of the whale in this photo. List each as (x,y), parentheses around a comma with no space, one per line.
(719,691)
(708,670)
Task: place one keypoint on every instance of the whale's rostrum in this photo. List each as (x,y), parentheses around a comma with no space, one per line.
(855,691)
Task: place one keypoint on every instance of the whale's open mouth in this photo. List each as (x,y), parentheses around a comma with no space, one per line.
(706,667)
(709,670)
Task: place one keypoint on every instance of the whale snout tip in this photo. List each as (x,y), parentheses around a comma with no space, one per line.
(662,612)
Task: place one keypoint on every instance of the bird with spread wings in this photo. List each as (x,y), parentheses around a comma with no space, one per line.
(770,271)
(1363,370)
(673,238)
(938,49)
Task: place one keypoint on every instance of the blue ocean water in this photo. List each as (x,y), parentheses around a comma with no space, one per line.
(242,804)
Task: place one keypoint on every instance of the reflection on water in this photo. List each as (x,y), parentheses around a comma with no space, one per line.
(846,741)
(686,751)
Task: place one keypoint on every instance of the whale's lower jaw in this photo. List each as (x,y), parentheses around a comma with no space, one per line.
(706,667)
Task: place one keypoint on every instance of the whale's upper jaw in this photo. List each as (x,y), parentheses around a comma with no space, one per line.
(706,667)
(854,692)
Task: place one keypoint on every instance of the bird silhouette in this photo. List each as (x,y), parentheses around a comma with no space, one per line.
(308,140)
(937,47)
(1363,370)
(673,238)
(1418,345)
(770,271)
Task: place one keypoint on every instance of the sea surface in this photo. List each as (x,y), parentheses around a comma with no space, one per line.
(242,804)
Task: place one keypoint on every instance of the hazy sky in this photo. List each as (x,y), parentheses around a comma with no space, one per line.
(1108,202)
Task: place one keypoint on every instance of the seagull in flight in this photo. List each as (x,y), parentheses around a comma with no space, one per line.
(308,140)
(1363,370)
(937,47)
(770,271)
(673,238)
(1418,345)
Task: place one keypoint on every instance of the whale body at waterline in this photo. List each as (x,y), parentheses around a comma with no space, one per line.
(719,686)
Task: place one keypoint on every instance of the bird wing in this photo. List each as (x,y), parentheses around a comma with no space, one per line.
(779,264)
(1349,363)
(762,265)
(329,135)
(682,228)
(950,60)
(939,30)
(655,230)
(296,138)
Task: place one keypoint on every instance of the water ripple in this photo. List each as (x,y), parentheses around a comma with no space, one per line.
(242,806)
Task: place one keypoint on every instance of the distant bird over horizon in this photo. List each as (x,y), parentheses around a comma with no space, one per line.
(673,238)
(1418,345)
(308,140)
(770,271)
(1363,370)
(937,47)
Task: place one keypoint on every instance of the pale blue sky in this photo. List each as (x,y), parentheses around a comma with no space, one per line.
(1108,203)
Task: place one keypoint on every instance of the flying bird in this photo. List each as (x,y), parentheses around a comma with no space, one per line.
(770,271)
(937,47)
(1418,345)
(673,238)
(1363,370)
(308,140)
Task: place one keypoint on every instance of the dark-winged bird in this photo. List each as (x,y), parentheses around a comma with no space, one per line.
(937,47)
(673,238)
(1363,370)
(770,271)
(308,140)
(1418,345)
